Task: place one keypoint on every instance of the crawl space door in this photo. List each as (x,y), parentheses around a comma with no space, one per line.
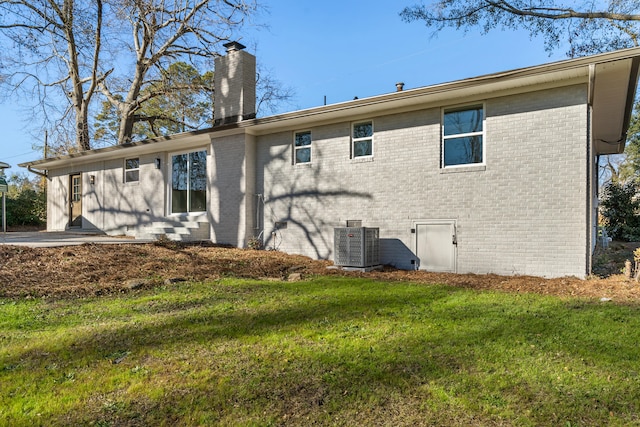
(436,246)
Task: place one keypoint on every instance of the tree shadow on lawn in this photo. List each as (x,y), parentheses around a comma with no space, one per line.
(371,343)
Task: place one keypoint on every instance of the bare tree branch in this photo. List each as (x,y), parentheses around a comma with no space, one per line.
(585,27)
(62,56)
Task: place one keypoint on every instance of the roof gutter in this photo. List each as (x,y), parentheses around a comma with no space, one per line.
(44,174)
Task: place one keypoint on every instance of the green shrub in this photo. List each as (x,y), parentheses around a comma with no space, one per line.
(26,202)
(620,210)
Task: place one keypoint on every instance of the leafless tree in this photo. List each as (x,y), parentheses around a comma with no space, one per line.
(55,45)
(271,92)
(67,52)
(164,31)
(587,26)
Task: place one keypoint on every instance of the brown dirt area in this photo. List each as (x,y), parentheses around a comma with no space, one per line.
(90,270)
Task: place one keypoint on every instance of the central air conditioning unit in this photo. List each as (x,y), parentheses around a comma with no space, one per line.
(356,247)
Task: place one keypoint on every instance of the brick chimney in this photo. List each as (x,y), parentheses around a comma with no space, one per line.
(235,85)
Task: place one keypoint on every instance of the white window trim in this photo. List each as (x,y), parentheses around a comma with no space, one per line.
(443,138)
(125,170)
(354,140)
(295,148)
(170,183)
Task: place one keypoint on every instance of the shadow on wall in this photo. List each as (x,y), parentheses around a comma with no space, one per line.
(110,206)
(226,192)
(113,207)
(305,199)
(58,204)
(396,254)
(126,207)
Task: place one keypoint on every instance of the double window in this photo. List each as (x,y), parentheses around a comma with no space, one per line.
(132,170)
(302,147)
(189,182)
(463,136)
(362,139)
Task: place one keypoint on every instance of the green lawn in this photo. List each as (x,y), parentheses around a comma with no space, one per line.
(330,351)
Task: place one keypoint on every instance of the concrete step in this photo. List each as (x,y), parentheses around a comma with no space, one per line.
(168,224)
(178,231)
(171,236)
(165,230)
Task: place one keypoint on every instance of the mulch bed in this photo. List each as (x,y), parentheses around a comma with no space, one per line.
(89,270)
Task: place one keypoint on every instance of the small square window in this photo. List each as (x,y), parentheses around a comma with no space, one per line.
(302,147)
(463,136)
(132,170)
(362,139)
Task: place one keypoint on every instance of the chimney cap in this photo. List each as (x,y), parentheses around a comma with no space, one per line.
(232,46)
(399,86)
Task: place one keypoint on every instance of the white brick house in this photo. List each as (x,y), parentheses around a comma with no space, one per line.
(494,174)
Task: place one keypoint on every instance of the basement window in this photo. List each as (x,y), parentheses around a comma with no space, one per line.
(463,136)
(302,147)
(362,139)
(132,170)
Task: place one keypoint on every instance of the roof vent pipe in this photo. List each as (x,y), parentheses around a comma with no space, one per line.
(399,86)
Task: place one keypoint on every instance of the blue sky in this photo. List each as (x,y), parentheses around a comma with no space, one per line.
(340,49)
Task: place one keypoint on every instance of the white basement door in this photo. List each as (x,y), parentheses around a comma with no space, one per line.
(435,246)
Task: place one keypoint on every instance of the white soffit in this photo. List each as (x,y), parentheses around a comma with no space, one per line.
(610,94)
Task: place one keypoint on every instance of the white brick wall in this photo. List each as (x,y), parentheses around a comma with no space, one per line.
(116,207)
(229,209)
(235,82)
(524,213)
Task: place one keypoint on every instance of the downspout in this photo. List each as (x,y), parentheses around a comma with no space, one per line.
(591,185)
(259,198)
(44,174)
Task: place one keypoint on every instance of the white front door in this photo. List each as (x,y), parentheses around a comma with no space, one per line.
(436,246)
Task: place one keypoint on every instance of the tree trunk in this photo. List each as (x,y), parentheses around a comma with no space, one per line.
(82,130)
(127,120)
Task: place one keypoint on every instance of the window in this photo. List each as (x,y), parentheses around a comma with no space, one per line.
(189,182)
(463,136)
(302,147)
(132,170)
(76,188)
(362,139)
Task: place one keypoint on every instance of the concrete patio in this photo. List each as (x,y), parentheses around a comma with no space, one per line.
(46,239)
